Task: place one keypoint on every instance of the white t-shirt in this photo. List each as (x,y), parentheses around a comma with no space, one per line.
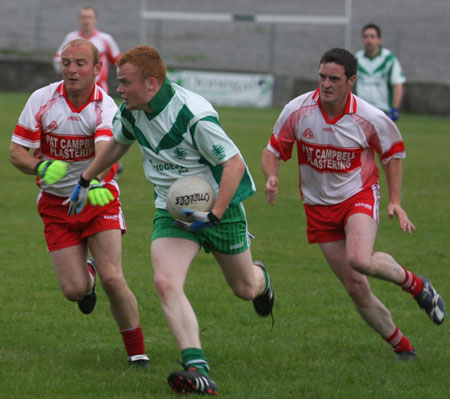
(335,158)
(376,78)
(182,137)
(50,123)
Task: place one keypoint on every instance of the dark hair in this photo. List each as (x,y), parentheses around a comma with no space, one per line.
(371,26)
(342,57)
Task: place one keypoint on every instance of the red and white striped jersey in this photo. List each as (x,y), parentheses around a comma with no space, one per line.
(335,157)
(50,123)
(107,47)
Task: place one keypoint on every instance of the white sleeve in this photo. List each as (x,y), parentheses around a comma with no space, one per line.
(27,130)
(122,129)
(57,58)
(397,75)
(112,49)
(212,141)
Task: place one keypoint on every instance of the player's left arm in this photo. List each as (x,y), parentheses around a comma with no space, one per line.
(397,95)
(396,79)
(112,50)
(394,171)
(233,170)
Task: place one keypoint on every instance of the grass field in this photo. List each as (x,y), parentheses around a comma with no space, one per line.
(319,346)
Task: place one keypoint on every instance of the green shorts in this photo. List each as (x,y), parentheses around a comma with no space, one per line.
(231,236)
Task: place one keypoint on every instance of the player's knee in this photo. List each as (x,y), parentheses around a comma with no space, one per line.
(359,263)
(74,292)
(165,285)
(244,291)
(113,283)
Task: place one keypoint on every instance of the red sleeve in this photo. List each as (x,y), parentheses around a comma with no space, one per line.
(395,148)
(283,142)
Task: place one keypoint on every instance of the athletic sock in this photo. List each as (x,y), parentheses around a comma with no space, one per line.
(92,271)
(399,342)
(412,283)
(195,357)
(133,338)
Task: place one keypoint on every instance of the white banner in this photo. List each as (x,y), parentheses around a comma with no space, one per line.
(227,89)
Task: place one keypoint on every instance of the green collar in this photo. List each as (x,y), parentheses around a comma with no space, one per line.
(161,99)
(375,56)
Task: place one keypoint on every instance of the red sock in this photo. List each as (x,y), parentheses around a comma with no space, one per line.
(91,270)
(412,283)
(399,342)
(133,338)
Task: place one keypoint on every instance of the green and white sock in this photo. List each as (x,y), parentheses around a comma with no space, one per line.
(195,357)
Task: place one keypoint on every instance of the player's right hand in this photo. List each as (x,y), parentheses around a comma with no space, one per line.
(271,189)
(201,220)
(51,171)
(78,197)
(405,224)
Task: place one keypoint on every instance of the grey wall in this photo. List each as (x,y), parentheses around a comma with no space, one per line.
(26,75)
(416,30)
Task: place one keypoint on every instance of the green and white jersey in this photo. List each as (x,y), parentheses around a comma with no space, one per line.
(376,76)
(182,137)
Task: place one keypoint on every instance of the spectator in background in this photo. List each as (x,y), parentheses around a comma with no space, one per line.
(380,75)
(106,45)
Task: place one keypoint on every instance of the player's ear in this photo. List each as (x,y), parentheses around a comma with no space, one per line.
(351,80)
(98,68)
(152,82)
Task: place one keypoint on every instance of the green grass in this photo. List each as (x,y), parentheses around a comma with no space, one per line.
(319,347)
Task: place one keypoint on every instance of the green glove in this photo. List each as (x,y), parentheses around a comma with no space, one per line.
(51,171)
(99,195)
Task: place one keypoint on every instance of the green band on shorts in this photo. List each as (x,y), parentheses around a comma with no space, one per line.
(230,236)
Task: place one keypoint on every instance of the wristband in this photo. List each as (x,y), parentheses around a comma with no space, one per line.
(83,182)
(37,167)
(213,219)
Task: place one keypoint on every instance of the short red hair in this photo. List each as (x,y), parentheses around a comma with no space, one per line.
(148,60)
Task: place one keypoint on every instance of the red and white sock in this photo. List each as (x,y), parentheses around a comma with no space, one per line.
(399,342)
(133,338)
(92,272)
(412,283)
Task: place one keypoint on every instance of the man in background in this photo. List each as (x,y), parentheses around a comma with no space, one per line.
(106,45)
(380,75)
